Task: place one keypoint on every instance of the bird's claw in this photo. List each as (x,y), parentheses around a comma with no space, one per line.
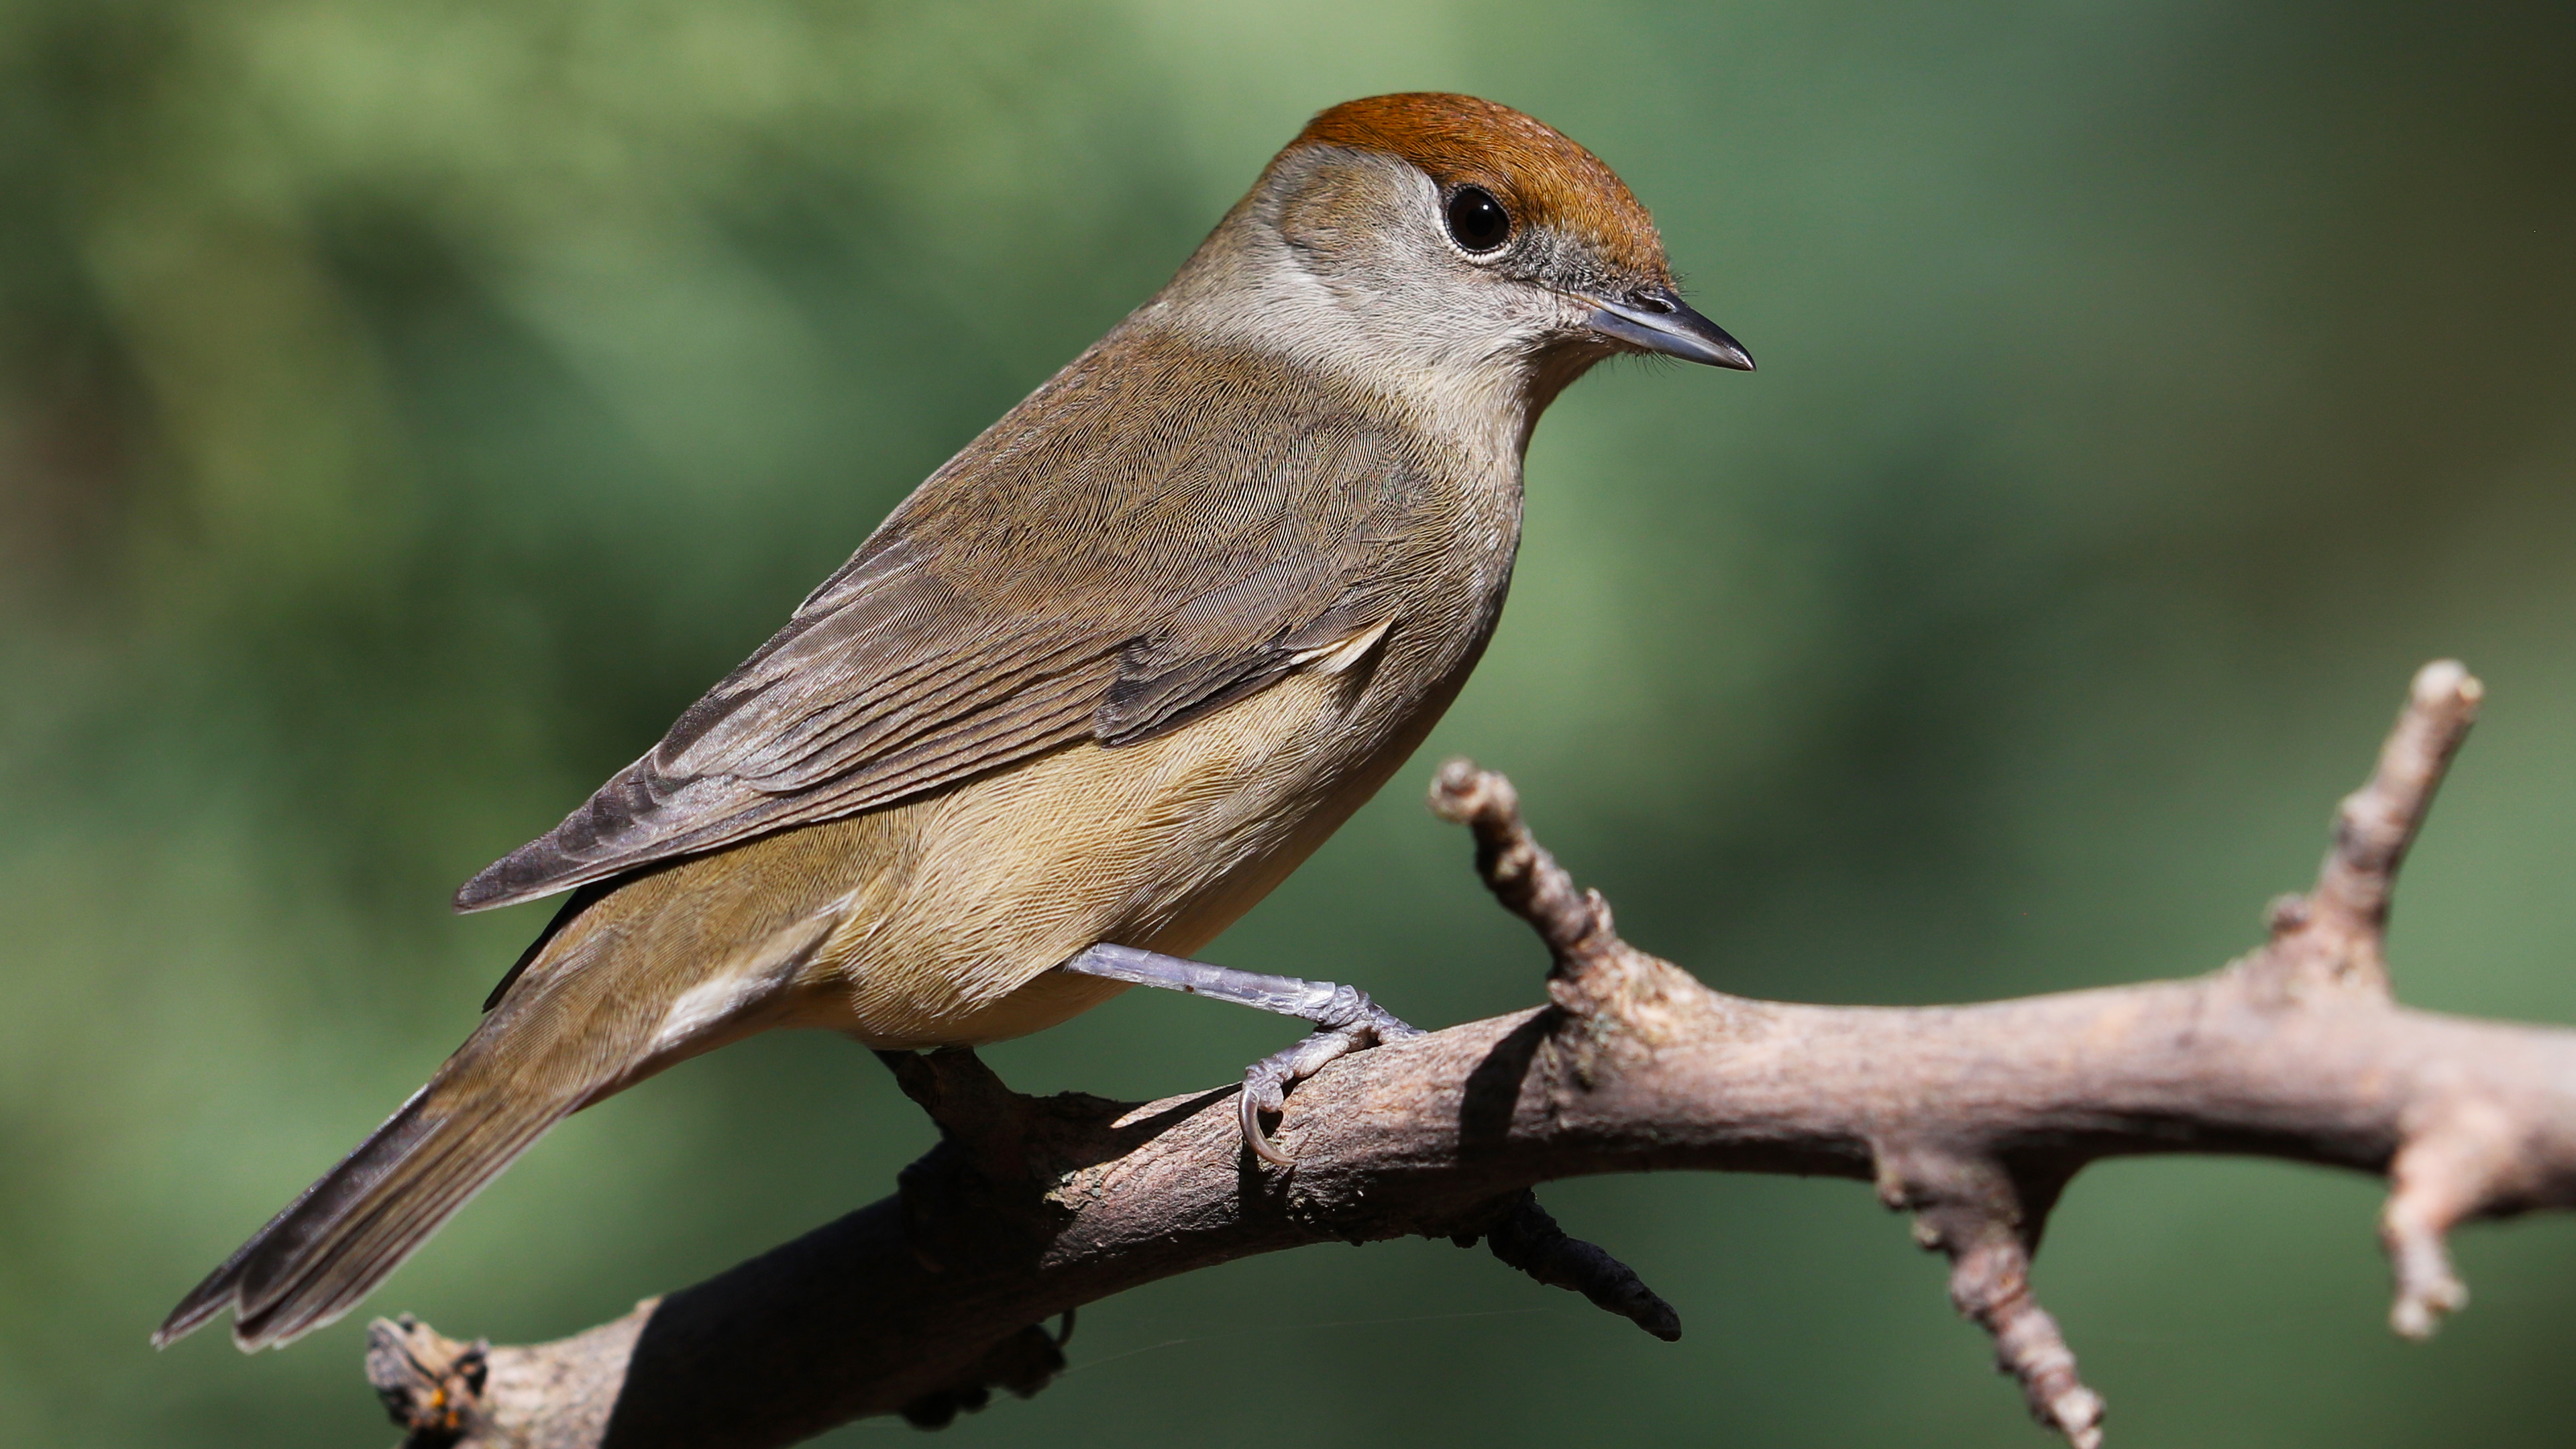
(1263,1092)
(1354,1023)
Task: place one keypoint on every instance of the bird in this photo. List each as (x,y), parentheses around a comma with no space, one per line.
(1092,690)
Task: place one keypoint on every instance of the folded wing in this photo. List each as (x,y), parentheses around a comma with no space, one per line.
(1145,540)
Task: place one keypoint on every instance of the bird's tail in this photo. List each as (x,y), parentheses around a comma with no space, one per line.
(532,1062)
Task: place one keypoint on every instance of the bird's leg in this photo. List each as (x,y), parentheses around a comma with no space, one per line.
(1345,1021)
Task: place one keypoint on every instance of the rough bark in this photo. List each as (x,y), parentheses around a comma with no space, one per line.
(1971,1118)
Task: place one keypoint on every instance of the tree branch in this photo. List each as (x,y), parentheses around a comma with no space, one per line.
(1971,1118)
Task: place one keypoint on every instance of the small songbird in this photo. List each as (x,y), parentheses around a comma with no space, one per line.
(1094,689)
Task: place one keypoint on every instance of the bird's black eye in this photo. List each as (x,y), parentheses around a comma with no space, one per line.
(1477,221)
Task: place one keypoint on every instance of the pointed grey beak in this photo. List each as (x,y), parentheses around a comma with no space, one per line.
(1657,321)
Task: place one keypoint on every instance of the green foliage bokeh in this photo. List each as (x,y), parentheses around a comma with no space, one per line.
(406,410)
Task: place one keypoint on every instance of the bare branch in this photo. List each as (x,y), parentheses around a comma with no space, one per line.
(1971,1118)
(2334,935)
(1528,1238)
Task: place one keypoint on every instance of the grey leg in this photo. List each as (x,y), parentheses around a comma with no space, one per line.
(1345,1021)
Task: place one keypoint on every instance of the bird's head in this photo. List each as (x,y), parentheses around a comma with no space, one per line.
(1450,234)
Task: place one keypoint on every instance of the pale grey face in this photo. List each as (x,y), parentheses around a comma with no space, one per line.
(1447,277)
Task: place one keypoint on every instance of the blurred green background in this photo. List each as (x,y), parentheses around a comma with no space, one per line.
(406,410)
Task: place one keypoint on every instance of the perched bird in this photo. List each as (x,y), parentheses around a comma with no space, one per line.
(1094,689)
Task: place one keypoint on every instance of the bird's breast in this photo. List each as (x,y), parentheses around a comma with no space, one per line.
(1160,844)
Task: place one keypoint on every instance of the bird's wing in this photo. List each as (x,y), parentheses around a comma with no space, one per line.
(1142,542)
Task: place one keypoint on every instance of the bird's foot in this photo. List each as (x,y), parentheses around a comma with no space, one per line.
(1351,1023)
(1345,1020)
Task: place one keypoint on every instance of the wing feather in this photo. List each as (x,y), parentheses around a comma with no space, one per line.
(1145,540)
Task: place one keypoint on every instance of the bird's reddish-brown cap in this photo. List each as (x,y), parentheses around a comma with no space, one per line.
(1539,174)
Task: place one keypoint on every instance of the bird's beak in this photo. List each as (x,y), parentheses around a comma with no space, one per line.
(1657,321)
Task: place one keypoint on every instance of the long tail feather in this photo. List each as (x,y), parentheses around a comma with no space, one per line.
(615,990)
(520,1073)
